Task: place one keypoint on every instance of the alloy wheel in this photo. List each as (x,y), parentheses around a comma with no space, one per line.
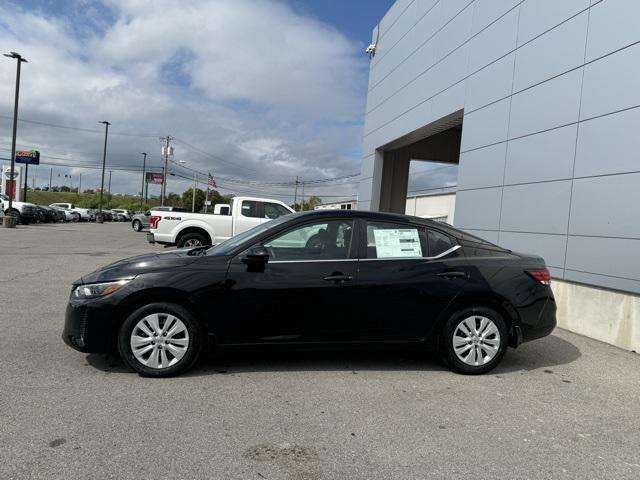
(476,340)
(192,242)
(159,340)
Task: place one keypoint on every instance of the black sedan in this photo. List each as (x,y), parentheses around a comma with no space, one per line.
(317,279)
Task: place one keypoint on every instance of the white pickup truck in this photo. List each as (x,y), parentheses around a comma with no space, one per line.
(84,213)
(24,212)
(195,229)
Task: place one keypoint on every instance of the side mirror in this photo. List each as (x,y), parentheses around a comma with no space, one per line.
(256,255)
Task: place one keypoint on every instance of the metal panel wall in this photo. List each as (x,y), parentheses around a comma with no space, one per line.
(549,157)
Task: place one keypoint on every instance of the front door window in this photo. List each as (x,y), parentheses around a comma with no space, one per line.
(327,240)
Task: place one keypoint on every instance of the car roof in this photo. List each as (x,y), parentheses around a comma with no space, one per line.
(379,216)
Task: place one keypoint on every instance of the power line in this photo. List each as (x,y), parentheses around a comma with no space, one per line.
(79,129)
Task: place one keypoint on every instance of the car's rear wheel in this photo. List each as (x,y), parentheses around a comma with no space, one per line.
(191,240)
(137,226)
(160,340)
(474,340)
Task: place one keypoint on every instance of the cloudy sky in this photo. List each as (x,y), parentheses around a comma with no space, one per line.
(255,91)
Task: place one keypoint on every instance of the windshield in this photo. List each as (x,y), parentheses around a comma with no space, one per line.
(230,244)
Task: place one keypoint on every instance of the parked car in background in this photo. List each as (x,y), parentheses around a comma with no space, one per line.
(120,215)
(388,280)
(186,229)
(23,211)
(56,215)
(69,215)
(82,212)
(45,214)
(141,220)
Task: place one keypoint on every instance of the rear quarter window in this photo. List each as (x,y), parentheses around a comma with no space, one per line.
(439,242)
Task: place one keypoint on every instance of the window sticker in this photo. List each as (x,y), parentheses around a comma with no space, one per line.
(394,243)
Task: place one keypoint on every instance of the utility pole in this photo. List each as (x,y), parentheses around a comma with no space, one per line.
(50,175)
(99,218)
(165,152)
(144,165)
(295,196)
(303,196)
(12,180)
(193,196)
(109,188)
(26,177)
(80,184)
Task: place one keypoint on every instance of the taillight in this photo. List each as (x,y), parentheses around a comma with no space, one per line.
(153,221)
(542,275)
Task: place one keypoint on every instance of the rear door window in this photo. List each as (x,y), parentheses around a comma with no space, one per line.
(394,240)
(250,208)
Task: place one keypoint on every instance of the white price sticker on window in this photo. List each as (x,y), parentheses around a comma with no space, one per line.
(395,243)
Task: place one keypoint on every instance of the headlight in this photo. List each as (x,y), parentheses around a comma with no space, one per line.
(93,290)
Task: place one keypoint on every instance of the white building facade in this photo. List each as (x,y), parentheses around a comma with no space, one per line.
(538,101)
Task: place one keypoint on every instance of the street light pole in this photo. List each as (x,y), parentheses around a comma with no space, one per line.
(99,218)
(144,165)
(12,180)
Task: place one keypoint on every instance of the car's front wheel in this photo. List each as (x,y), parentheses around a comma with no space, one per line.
(474,340)
(137,226)
(160,340)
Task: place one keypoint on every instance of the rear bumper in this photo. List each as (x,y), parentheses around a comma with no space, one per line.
(89,329)
(542,324)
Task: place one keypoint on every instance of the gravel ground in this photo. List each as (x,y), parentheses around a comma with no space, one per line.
(562,407)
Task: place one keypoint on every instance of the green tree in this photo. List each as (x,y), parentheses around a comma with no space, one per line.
(187,199)
(307,205)
(173,200)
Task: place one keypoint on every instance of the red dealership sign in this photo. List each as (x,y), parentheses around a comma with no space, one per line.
(155,178)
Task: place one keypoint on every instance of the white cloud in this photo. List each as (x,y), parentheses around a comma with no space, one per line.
(272,94)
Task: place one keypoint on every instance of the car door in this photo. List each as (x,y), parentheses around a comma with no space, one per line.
(250,214)
(302,294)
(407,276)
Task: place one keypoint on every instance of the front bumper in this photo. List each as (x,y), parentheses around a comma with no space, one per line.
(89,328)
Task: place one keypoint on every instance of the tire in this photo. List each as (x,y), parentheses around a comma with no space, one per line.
(191,240)
(475,354)
(159,360)
(76,218)
(137,226)
(16,214)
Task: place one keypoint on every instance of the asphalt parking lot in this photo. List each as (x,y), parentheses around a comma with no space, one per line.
(562,407)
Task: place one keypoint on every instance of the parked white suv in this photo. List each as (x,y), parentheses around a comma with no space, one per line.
(24,212)
(84,213)
(186,229)
(120,215)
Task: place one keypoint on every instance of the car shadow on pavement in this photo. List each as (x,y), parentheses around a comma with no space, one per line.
(551,351)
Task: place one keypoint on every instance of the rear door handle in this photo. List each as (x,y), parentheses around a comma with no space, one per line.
(338,278)
(452,274)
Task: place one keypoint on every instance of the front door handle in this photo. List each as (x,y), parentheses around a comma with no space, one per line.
(452,274)
(338,278)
